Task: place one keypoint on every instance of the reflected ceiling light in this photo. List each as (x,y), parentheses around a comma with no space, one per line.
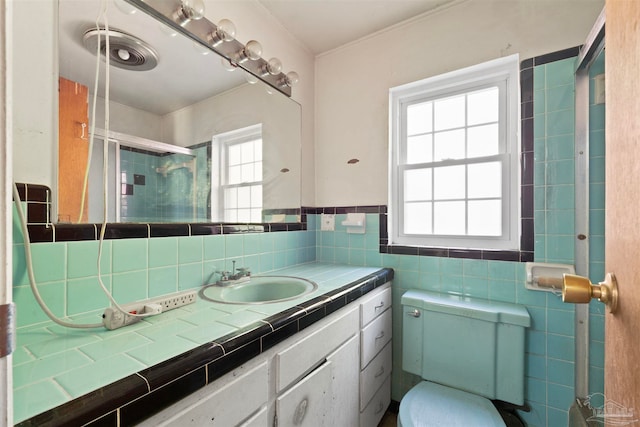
(224,32)
(125,7)
(250,78)
(189,10)
(228,65)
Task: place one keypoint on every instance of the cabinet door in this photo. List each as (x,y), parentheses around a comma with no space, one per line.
(344,384)
(308,402)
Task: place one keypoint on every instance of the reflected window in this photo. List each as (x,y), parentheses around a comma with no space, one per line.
(239,176)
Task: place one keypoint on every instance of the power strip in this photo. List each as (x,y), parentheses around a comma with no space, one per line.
(112,318)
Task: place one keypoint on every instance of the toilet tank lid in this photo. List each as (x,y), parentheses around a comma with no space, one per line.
(490,311)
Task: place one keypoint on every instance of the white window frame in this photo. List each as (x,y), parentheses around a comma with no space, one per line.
(220,144)
(502,72)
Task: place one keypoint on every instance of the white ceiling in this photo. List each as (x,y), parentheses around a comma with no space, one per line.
(322,25)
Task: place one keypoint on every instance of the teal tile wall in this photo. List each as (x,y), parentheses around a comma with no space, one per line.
(550,342)
(134,269)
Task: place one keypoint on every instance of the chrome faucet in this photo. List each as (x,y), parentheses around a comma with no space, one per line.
(237,275)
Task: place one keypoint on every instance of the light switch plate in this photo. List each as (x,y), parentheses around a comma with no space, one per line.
(327,222)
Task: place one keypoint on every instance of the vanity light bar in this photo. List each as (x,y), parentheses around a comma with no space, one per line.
(200,30)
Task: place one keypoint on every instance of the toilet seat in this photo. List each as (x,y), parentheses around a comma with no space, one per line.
(429,404)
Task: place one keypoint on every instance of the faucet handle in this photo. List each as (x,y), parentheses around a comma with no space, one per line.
(244,271)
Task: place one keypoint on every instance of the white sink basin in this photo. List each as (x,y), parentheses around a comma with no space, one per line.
(260,290)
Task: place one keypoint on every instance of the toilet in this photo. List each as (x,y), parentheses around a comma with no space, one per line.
(468,351)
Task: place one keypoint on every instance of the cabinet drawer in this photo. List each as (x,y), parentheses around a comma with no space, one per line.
(296,360)
(217,404)
(374,337)
(374,411)
(372,377)
(374,306)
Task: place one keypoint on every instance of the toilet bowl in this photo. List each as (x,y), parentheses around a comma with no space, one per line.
(468,351)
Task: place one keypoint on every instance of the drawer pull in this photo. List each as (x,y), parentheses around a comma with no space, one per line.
(380,372)
(380,335)
(377,307)
(380,408)
(414,313)
(301,411)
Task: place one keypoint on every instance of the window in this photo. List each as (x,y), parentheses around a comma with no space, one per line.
(239,183)
(454,173)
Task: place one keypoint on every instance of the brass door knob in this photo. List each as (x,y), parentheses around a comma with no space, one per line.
(578,289)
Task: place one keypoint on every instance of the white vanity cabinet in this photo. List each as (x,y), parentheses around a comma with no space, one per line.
(334,373)
(375,355)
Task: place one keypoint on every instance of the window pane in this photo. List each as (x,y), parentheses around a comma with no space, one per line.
(449,113)
(257,171)
(234,175)
(256,196)
(417,218)
(256,215)
(449,182)
(485,218)
(247,173)
(483,141)
(449,145)
(417,184)
(485,180)
(230,198)
(482,106)
(419,118)
(244,197)
(247,152)
(230,215)
(449,218)
(234,155)
(244,215)
(257,150)
(419,149)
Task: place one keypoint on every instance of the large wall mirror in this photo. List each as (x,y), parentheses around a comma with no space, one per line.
(188,140)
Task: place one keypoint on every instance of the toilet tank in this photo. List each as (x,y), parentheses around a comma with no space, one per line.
(466,343)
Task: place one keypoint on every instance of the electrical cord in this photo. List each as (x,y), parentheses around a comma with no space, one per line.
(23,221)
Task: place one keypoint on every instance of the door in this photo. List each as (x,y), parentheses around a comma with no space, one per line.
(622,341)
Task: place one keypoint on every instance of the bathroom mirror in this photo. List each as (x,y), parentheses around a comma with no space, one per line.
(242,138)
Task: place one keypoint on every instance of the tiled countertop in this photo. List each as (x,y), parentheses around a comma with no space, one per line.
(72,377)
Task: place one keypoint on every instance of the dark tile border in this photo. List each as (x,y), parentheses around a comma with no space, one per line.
(139,396)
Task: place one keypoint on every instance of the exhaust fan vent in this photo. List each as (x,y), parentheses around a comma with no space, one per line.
(125,50)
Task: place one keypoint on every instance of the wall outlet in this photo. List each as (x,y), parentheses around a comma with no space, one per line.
(327,222)
(113,318)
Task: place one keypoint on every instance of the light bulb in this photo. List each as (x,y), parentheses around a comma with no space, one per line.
(190,10)
(292,78)
(224,32)
(227,29)
(253,50)
(274,66)
(124,54)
